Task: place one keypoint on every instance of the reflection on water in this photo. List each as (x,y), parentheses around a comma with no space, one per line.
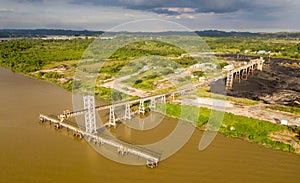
(31,152)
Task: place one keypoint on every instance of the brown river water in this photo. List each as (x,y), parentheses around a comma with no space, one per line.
(31,152)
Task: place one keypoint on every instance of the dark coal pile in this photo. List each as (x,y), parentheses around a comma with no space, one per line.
(278,83)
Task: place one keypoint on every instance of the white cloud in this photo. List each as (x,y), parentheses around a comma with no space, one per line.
(227,14)
(180,10)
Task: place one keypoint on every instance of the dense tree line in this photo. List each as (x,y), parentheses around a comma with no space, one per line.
(146,48)
(28,55)
(282,47)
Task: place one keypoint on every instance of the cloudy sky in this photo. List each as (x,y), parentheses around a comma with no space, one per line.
(238,15)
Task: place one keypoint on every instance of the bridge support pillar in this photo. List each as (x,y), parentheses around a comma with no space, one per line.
(112,118)
(260,65)
(245,74)
(251,70)
(90,119)
(173,96)
(182,93)
(229,81)
(127,111)
(163,99)
(238,76)
(151,163)
(152,104)
(141,107)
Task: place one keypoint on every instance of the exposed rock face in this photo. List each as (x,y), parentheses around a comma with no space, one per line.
(284,97)
(279,83)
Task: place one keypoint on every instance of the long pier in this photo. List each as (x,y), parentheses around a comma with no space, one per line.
(98,137)
(152,158)
(152,99)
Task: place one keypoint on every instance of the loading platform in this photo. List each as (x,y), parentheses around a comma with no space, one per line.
(99,138)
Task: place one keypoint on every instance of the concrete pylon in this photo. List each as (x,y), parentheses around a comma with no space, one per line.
(163,99)
(238,76)
(152,104)
(251,70)
(229,81)
(245,74)
(127,111)
(260,64)
(141,107)
(173,96)
(112,118)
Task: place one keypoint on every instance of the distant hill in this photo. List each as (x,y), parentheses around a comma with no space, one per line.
(216,33)
(14,33)
(5,33)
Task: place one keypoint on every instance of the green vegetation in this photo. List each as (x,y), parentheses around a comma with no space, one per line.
(186,61)
(53,75)
(223,64)
(137,50)
(250,129)
(146,48)
(29,55)
(243,101)
(111,95)
(146,82)
(279,47)
(198,73)
(290,109)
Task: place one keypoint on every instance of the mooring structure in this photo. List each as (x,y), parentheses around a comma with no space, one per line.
(90,131)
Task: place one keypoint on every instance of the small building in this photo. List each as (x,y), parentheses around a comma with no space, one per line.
(204,66)
(106,38)
(262,52)
(202,79)
(177,71)
(197,66)
(228,68)
(284,122)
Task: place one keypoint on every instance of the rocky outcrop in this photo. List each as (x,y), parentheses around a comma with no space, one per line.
(284,97)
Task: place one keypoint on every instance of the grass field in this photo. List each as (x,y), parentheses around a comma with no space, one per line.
(289,109)
(231,125)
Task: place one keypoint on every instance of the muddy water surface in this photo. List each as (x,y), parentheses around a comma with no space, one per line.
(31,152)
